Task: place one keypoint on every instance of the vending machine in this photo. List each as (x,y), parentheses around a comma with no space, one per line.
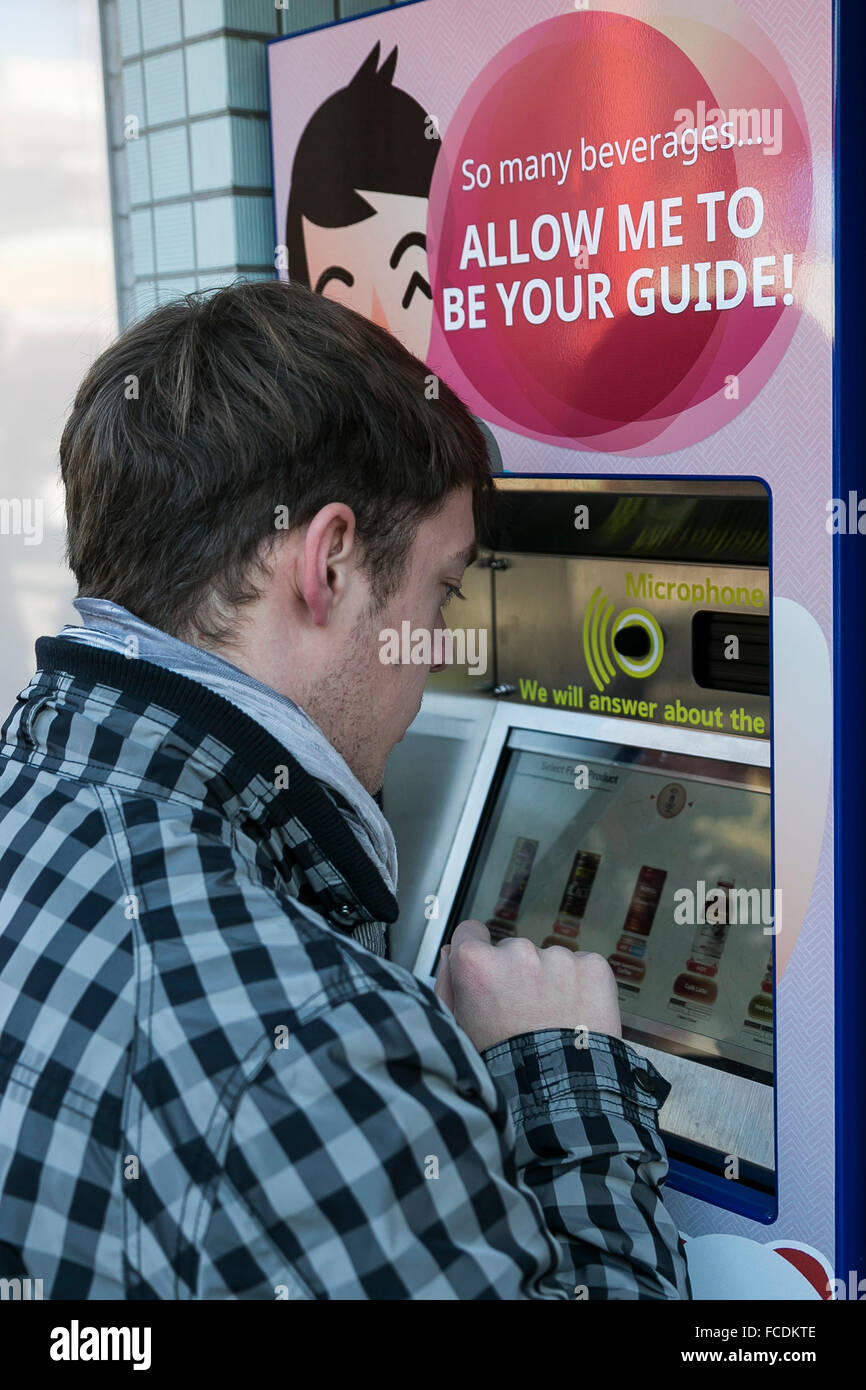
(621,801)
(644,288)
(607,784)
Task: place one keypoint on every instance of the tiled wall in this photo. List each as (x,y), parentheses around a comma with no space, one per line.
(186,97)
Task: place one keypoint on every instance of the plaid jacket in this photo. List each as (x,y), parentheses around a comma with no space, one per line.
(210,1089)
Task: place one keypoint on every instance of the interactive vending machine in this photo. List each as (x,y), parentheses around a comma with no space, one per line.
(629,236)
(617,796)
(621,801)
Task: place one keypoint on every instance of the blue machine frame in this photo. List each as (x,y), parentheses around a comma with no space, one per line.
(849,651)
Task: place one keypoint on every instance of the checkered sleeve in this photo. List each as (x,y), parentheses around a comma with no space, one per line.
(379,1156)
(585,1111)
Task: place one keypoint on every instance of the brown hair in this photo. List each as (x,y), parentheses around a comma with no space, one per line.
(204,418)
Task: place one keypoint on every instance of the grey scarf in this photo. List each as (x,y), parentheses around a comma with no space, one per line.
(107,624)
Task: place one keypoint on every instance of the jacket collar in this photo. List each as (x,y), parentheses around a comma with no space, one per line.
(212,730)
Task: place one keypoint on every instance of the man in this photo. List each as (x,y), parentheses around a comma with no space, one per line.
(215,1083)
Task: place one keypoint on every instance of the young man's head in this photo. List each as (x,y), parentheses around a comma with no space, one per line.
(356,222)
(263,473)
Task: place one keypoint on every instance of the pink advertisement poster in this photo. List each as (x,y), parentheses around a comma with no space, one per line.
(609,230)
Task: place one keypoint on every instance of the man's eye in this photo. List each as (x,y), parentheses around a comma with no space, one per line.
(451,591)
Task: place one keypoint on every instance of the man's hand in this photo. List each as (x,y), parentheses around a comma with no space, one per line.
(497,992)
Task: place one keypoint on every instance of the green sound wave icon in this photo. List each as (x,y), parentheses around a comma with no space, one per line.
(595,623)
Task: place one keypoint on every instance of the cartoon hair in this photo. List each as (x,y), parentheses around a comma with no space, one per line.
(369,134)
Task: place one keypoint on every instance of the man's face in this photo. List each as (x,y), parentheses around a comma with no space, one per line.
(378,267)
(378,700)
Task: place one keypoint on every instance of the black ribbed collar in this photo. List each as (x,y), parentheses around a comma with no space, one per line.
(256,753)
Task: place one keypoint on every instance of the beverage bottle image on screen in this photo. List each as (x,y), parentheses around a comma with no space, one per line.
(760,1010)
(696,984)
(627,961)
(574,900)
(507,909)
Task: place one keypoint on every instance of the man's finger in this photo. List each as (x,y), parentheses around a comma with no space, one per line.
(470,930)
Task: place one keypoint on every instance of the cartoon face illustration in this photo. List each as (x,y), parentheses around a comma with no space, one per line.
(357,211)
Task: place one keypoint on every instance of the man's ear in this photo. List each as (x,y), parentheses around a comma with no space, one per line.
(329,557)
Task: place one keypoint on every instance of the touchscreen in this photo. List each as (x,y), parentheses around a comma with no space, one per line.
(659,862)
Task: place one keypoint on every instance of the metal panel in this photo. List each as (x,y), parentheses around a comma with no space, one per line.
(548,654)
